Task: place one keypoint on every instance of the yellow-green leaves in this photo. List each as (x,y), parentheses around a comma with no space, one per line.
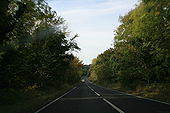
(141,48)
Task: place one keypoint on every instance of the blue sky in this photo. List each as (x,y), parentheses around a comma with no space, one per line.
(94,21)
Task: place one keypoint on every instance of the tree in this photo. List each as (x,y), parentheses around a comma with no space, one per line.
(35,45)
(141,47)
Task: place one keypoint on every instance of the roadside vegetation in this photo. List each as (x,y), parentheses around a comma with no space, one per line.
(36,60)
(139,62)
(32,100)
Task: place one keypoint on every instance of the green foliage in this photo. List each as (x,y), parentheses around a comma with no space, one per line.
(86,70)
(141,51)
(35,47)
(74,72)
(101,68)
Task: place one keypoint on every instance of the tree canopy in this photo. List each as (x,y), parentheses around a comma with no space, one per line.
(35,46)
(141,51)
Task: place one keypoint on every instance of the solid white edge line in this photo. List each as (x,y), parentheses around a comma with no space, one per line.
(119,110)
(143,97)
(113,106)
(45,106)
(154,100)
(136,96)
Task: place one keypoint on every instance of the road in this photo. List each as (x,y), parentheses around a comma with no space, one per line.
(89,98)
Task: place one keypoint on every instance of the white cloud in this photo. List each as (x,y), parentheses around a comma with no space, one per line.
(94,21)
(109,7)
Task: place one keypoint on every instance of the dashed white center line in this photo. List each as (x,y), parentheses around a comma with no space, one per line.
(97,93)
(112,105)
(105,100)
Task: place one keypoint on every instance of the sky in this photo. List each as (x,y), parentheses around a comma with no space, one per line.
(94,21)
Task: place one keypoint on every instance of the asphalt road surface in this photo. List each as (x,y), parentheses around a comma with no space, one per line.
(89,98)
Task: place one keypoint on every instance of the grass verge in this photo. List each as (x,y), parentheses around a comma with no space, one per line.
(29,102)
(158,91)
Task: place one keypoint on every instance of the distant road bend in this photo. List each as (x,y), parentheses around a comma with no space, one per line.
(89,98)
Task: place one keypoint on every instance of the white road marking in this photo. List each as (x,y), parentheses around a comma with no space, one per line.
(112,105)
(136,96)
(97,93)
(90,88)
(80,98)
(143,98)
(53,101)
(153,100)
(116,108)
